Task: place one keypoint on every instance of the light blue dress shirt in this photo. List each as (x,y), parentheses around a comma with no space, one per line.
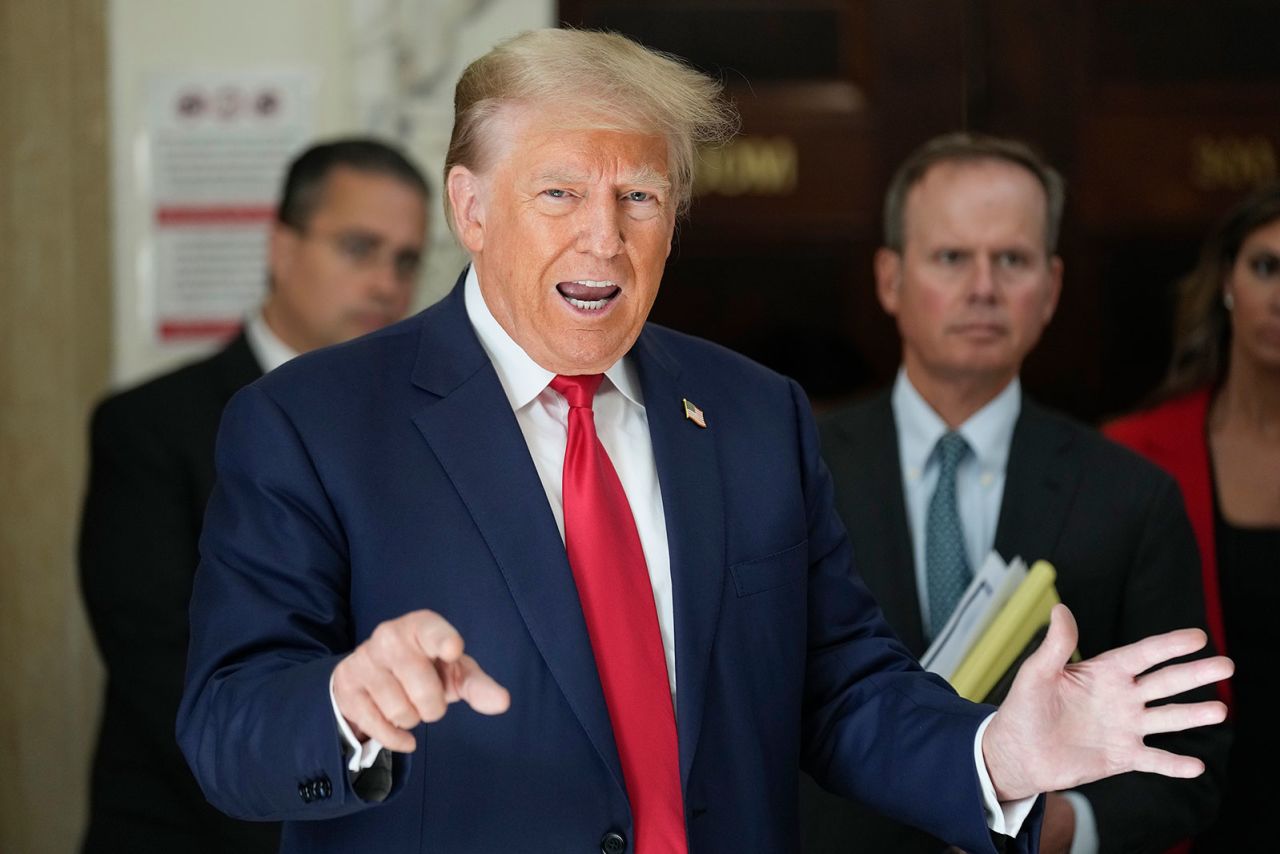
(980,482)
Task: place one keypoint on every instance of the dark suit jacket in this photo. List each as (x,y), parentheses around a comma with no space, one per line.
(151,471)
(1115,529)
(389,474)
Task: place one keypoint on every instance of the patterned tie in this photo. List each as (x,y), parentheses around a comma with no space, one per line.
(622,622)
(946,563)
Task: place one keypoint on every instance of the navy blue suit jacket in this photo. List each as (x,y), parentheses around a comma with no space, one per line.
(389,474)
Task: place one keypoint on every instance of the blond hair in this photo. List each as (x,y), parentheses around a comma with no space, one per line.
(606,79)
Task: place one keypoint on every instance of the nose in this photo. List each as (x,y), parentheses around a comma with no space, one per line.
(600,232)
(982,282)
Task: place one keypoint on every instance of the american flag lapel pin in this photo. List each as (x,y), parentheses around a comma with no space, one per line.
(694,414)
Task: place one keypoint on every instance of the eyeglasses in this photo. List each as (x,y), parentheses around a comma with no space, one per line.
(365,251)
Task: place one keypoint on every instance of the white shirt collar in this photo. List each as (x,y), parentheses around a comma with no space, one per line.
(988,431)
(265,345)
(522,378)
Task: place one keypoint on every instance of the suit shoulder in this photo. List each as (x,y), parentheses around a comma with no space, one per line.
(345,368)
(856,418)
(1181,416)
(172,398)
(1098,453)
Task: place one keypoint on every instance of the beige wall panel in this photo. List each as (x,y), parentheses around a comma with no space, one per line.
(54,336)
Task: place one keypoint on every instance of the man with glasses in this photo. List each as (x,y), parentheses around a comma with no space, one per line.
(343,259)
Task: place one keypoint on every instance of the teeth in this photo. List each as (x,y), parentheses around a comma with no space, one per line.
(591,283)
(589,305)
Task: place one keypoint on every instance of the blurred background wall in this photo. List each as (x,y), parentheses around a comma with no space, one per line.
(55,296)
(1160,115)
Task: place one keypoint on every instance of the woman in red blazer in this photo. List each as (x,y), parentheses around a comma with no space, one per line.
(1217,430)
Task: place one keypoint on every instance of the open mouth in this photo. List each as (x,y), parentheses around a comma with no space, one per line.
(588,294)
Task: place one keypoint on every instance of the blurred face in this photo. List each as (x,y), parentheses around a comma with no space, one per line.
(974,285)
(1254,285)
(569,231)
(353,268)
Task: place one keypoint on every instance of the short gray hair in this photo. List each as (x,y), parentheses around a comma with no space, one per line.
(620,84)
(965,147)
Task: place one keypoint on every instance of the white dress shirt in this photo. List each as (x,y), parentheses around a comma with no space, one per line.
(623,428)
(267,348)
(980,480)
(979,477)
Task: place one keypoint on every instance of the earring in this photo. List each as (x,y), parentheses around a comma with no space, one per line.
(1228,301)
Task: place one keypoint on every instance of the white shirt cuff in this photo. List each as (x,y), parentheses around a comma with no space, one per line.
(1085,839)
(1003,818)
(362,755)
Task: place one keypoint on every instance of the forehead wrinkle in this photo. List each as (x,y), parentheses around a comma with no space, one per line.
(645,176)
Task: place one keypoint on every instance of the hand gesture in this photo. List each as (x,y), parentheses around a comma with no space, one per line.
(1065,724)
(409,671)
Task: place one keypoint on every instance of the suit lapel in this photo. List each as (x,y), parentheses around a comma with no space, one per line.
(472,431)
(891,577)
(1039,482)
(693,507)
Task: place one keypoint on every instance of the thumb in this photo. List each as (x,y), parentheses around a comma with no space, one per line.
(1059,642)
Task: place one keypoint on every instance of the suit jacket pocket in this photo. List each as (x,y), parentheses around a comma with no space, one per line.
(771,571)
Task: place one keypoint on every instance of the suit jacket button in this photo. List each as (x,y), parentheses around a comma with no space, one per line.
(325,788)
(613,843)
(304,792)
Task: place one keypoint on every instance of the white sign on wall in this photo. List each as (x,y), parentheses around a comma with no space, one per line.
(216,146)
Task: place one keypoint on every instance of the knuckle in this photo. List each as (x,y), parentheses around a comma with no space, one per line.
(433,708)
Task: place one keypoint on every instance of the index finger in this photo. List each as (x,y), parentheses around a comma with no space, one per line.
(1141,656)
(437,637)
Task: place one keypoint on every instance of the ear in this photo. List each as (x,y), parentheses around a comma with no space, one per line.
(282,253)
(467,201)
(1055,286)
(888,270)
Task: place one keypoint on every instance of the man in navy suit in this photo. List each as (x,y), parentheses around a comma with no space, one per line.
(380,502)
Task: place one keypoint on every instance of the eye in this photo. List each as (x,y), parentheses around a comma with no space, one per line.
(1012,260)
(1264,265)
(639,196)
(407,264)
(949,257)
(357,247)
(556,193)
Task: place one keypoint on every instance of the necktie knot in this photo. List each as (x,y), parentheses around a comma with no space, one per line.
(579,390)
(951,449)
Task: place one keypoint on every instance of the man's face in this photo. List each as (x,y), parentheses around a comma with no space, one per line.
(974,285)
(353,267)
(569,231)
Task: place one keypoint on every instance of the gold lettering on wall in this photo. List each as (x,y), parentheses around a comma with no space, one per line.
(750,165)
(1231,162)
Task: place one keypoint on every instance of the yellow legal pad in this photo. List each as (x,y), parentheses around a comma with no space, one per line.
(1018,622)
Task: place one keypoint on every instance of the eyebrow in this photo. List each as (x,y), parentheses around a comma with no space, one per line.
(646,176)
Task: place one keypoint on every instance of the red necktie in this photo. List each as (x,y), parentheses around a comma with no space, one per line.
(622,622)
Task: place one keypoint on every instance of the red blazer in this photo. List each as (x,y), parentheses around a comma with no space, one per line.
(1172,435)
